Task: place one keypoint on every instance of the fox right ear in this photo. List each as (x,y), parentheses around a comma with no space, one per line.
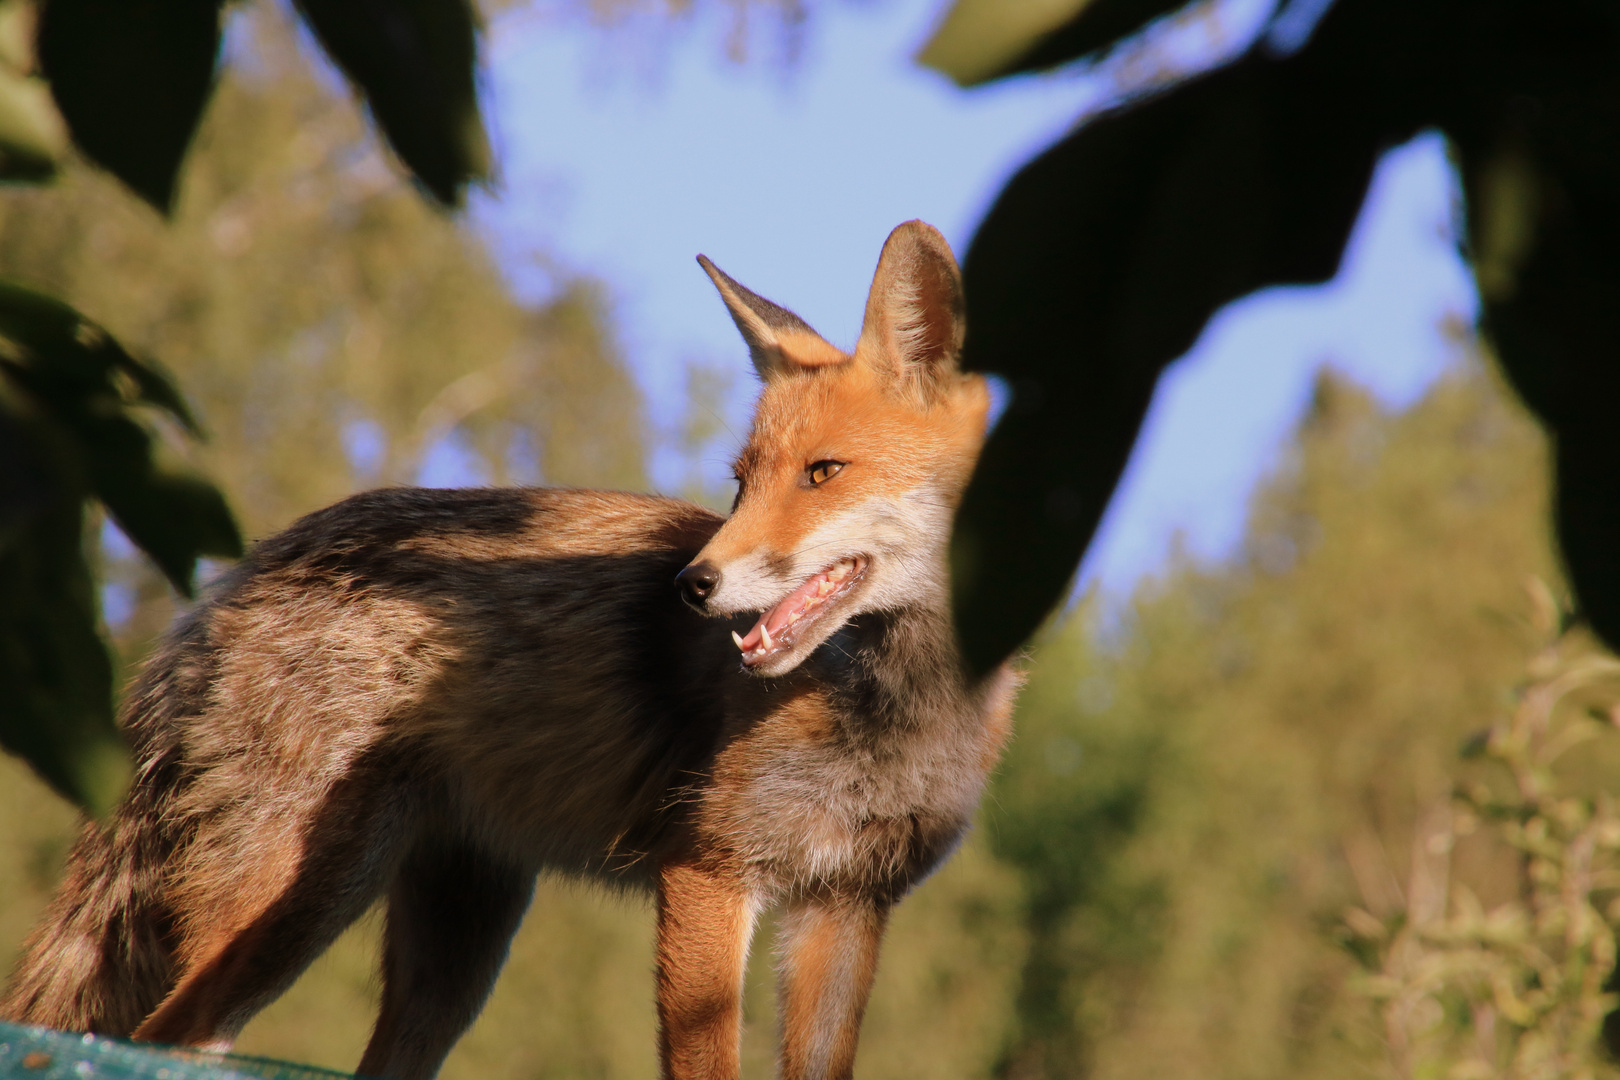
(778,340)
(915,314)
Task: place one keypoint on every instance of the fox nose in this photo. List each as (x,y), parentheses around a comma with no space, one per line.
(697,582)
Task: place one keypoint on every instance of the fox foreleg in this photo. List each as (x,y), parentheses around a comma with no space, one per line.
(827,948)
(705,925)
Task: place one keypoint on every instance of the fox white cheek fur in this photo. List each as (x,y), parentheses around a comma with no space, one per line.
(897,532)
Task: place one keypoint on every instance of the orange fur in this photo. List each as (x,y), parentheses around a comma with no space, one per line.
(431,697)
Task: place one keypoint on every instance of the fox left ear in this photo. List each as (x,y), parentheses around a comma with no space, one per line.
(915,318)
(778,340)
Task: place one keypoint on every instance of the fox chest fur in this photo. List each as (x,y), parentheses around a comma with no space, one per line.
(862,774)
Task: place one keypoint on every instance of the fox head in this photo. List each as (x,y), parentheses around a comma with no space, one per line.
(855,462)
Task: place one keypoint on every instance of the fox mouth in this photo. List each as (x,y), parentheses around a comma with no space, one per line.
(779,627)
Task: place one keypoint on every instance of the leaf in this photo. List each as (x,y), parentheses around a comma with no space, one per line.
(1545,223)
(32,138)
(131,78)
(84,353)
(978,39)
(57,708)
(1101,262)
(1100,25)
(981,40)
(81,378)
(32,135)
(173,515)
(415,61)
(67,434)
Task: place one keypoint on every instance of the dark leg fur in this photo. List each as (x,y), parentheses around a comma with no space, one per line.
(452,912)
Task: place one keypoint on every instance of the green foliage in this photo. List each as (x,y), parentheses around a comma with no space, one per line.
(69,369)
(32,136)
(303,294)
(1203,783)
(131,78)
(415,60)
(1103,259)
(980,40)
(58,709)
(1520,990)
(67,394)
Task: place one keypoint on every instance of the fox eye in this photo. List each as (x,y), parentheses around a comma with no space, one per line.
(822,471)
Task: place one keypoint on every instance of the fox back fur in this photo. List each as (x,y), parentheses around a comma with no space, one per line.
(430,697)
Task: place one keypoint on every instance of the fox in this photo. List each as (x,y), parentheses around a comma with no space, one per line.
(428,698)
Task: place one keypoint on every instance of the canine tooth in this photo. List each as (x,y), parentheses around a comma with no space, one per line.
(738,639)
(765,637)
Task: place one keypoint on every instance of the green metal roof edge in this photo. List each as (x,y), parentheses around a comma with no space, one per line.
(33,1053)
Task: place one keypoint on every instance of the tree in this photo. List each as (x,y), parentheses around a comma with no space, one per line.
(1204,783)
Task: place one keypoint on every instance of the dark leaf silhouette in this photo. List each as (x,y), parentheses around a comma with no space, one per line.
(31,135)
(1096,26)
(415,61)
(980,40)
(1543,186)
(67,434)
(1100,264)
(131,78)
(57,709)
(1104,258)
(84,379)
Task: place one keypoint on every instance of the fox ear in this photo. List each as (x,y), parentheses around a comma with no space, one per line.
(915,317)
(778,340)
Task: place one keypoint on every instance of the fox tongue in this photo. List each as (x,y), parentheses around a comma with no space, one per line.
(779,618)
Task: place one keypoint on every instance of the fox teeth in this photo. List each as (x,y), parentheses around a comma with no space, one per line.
(738,639)
(765,637)
(825,587)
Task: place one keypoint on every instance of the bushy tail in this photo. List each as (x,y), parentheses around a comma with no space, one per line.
(100,960)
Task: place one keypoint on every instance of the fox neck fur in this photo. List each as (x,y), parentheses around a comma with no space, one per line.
(430,697)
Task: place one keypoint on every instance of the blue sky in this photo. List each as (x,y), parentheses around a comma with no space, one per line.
(624,158)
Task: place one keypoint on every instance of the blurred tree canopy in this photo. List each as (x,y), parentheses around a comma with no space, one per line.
(1104,257)
(1205,782)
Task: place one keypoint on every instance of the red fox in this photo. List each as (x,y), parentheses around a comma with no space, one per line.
(431,697)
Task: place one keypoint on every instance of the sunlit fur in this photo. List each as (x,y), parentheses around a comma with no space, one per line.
(430,697)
